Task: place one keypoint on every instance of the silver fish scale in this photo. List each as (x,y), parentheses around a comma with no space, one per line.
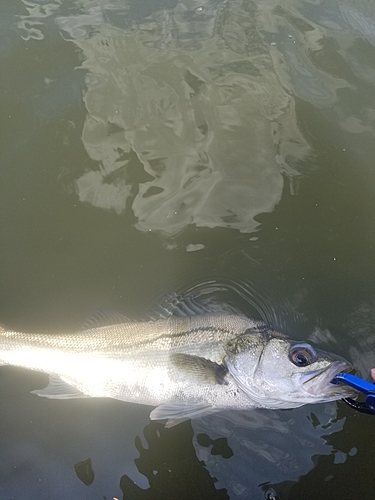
(186,366)
(130,361)
(161,334)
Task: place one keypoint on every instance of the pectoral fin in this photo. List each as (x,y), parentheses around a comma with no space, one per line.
(179,413)
(59,389)
(202,369)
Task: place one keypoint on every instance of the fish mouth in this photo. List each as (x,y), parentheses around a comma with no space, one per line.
(321,383)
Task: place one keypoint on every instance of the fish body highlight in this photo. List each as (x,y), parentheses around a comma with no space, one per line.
(185,366)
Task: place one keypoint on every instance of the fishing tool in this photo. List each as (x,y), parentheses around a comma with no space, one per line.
(367,388)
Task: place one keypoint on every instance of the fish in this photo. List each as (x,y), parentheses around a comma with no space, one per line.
(185,365)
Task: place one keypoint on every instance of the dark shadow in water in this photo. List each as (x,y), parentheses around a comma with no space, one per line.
(85,472)
(219,446)
(171,466)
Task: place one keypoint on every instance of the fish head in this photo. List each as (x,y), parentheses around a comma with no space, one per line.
(276,372)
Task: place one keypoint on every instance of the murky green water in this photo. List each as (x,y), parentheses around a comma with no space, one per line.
(222,147)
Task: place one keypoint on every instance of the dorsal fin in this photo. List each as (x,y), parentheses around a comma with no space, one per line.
(180,306)
(104,317)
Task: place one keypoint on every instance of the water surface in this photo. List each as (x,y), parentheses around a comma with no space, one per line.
(221,147)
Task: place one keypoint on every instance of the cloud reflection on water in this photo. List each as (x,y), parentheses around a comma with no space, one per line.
(188,121)
(268,446)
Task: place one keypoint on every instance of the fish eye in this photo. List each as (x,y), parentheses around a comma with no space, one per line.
(302,355)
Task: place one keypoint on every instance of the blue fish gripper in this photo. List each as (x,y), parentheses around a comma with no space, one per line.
(362,386)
